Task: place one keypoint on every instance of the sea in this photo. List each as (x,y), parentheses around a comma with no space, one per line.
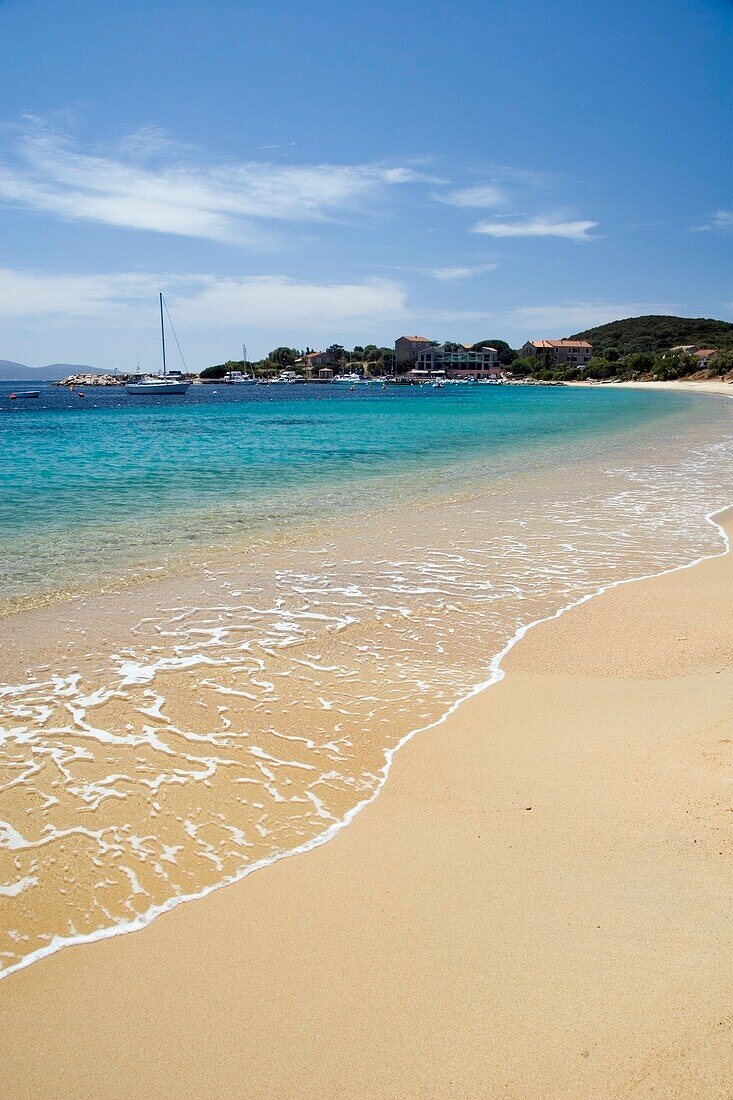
(224,612)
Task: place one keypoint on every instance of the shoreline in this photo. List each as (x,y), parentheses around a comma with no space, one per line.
(277,909)
(110,622)
(496,674)
(714,387)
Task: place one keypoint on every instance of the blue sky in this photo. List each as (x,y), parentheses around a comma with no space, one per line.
(305,173)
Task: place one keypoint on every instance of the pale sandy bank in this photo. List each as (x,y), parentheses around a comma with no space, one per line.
(536,906)
(707,386)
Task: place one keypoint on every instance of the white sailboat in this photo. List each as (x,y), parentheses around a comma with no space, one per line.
(166,383)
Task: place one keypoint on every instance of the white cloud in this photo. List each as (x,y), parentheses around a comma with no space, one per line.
(29,295)
(556,321)
(457,274)
(541,321)
(721,221)
(135,188)
(537,227)
(486,195)
(280,303)
(198,301)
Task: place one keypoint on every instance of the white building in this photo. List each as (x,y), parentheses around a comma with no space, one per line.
(460,361)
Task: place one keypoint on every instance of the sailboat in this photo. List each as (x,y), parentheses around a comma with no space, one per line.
(166,383)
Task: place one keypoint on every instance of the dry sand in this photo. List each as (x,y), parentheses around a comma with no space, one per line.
(714,386)
(536,906)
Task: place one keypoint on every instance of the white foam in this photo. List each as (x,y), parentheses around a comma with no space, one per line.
(14,888)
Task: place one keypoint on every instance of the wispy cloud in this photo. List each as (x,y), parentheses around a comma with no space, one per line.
(541,226)
(556,321)
(151,183)
(542,321)
(278,302)
(28,295)
(458,274)
(199,301)
(721,222)
(486,195)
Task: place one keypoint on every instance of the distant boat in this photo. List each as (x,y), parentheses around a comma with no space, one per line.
(24,394)
(240,377)
(166,383)
(236,378)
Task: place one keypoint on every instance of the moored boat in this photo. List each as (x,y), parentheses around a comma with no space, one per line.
(169,382)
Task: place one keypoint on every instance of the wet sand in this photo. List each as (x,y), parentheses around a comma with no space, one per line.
(536,905)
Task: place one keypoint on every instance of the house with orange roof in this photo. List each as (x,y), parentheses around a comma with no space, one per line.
(574,353)
(407,348)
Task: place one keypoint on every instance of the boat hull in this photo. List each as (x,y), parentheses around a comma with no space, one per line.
(168,388)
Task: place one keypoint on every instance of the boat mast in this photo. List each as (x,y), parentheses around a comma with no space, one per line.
(162,330)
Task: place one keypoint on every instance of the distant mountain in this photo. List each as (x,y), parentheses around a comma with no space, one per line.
(657,333)
(17,372)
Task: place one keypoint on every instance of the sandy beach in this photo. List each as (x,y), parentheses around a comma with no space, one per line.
(551,922)
(712,385)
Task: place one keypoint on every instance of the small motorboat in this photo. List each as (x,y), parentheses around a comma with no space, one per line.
(24,394)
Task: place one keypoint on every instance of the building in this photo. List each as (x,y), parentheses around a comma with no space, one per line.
(407,348)
(459,361)
(315,359)
(704,356)
(574,353)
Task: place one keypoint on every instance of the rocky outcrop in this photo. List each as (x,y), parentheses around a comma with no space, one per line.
(92,380)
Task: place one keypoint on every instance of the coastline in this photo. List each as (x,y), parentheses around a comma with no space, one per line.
(452,941)
(709,386)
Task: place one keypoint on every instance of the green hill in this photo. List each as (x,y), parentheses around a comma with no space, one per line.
(657,333)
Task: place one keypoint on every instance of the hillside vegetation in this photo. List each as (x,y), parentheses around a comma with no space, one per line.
(657,333)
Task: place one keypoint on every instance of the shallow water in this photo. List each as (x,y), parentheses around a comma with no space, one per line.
(252,712)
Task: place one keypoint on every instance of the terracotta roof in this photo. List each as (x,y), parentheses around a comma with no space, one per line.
(705,353)
(559,343)
(416,339)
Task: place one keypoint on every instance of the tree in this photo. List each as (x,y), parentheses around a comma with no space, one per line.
(640,362)
(599,368)
(721,364)
(507,355)
(337,352)
(283,357)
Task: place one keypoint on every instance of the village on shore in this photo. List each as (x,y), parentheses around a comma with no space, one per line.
(417,360)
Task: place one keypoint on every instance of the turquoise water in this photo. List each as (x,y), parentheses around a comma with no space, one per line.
(95,485)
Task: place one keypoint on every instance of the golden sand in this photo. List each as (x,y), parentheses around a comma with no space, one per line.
(552,922)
